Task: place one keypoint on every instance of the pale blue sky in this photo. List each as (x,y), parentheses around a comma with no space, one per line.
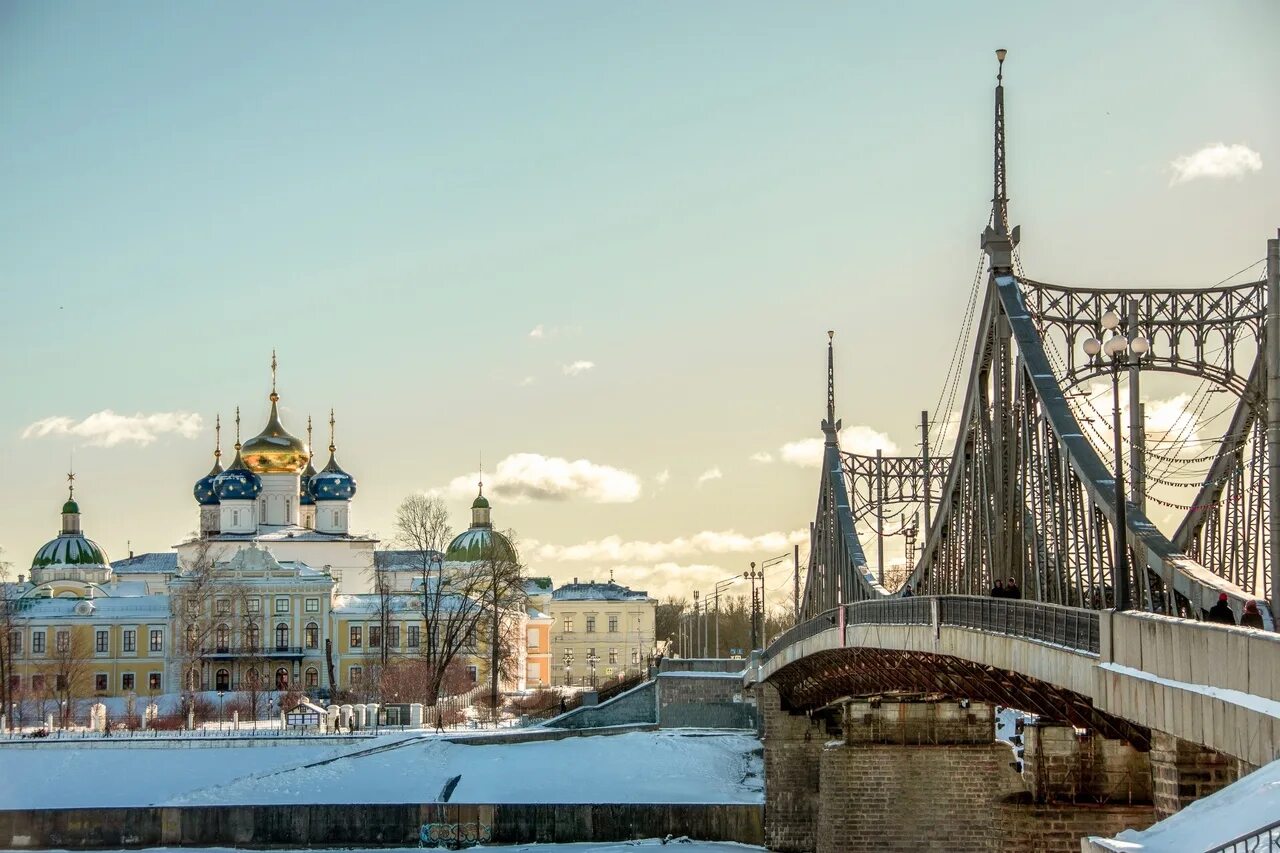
(688,194)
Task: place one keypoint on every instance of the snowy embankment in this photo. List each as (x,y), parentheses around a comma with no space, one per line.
(1236,811)
(639,767)
(675,845)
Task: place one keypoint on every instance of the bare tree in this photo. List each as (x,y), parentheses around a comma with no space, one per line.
(505,600)
(453,600)
(10,639)
(253,681)
(192,614)
(378,648)
(69,669)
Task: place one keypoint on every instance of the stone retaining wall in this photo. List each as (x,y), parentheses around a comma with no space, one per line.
(400,825)
(637,705)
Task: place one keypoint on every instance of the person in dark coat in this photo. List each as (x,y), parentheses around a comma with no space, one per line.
(564,706)
(1221,612)
(1251,618)
(997,591)
(1012,590)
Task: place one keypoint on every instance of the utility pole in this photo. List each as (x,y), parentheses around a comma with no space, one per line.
(795,595)
(1137,425)
(694,644)
(880,513)
(924,453)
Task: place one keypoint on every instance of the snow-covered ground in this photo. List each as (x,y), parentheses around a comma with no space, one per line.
(675,845)
(1235,811)
(638,767)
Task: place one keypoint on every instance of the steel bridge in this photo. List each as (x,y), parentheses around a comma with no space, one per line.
(1028,493)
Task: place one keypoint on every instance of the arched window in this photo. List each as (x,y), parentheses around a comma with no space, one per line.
(223,636)
(313,635)
(251,677)
(222,680)
(282,679)
(251,637)
(313,677)
(282,637)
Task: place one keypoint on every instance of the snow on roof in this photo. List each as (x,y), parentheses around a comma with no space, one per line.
(165,563)
(535,613)
(592,591)
(537,586)
(369,602)
(144,606)
(402,561)
(290,533)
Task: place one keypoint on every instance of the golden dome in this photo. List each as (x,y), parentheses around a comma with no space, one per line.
(274,450)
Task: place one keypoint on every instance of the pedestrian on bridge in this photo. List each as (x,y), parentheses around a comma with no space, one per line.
(1221,612)
(1251,618)
(997,591)
(1012,590)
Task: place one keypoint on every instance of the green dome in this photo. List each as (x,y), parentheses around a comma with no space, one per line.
(480,543)
(480,502)
(71,551)
(70,506)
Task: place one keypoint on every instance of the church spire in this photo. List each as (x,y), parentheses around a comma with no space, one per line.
(831,426)
(70,509)
(999,239)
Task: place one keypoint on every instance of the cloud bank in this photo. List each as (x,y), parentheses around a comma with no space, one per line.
(1216,161)
(108,429)
(614,549)
(533,477)
(578,367)
(807,452)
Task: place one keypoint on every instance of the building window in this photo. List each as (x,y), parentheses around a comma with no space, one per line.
(473,673)
(59,682)
(223,638)
(375,636)
(613,655)
(414,636)
(15,642)
(15,683)
(282,604)
(313,677)
(568,626)
(282,637)
(591,624)
(235,518)
(153,682)
(100,682)
(224,606)
(37,683)
(222,680)
(357,674)
(37,642)
(635,656)
(100,643)
(355,636)
(613,624)
(313,605)
(253,605)
(532,638)
(157,642)
(130,640)
(282,679)
(62,640)
(313,635)
(393,636)
(251,678)
(251,638)
(126,681)
(532,673)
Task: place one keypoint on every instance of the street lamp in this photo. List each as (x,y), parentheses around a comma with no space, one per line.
(568,667)
(592,660)
(720,587)
(221,704)
(1118,348)
(757,629)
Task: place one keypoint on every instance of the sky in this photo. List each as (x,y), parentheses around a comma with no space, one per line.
(596,245)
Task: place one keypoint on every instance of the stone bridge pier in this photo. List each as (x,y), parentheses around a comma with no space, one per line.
(916,774)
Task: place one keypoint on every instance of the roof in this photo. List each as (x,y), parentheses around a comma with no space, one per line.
(480,543)
(162,563)
(592,591)
(393,560)
(149,607)
(537,586)
(286,533)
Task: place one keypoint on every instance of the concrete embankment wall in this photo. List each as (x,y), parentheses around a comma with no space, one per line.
(638,705)
(376,824)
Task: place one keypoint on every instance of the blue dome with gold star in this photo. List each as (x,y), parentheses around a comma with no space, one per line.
(237,483)
(206,494)
(307,499)
(332,483)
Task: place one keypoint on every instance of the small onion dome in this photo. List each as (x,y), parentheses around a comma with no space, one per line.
(206,494)
(237,483)
(274,450)
(481,502)
(332,483)
(70,506)
(307,499)
(479,543)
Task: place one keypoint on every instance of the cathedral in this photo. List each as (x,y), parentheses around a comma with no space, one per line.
(291,606)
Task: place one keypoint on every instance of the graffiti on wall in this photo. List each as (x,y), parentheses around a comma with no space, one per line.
(454,836)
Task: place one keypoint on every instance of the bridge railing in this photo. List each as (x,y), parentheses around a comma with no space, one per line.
(1264,839)
(1069,627)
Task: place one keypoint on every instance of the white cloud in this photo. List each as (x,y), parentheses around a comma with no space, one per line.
(662,477)
(578,367)
(807,452)
(528,380)
(538,332)
(614,549)
(762,456)
(107,429)
(709,475)
(532,476)
(1216,160)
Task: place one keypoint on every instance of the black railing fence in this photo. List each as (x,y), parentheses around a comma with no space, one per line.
(1264,840)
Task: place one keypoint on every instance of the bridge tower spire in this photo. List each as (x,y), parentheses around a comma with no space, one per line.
(831,426)
(999,239)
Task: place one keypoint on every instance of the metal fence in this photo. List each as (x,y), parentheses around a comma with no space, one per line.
(1070,627)
(1265,840)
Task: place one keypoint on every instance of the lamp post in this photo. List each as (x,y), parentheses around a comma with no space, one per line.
(592,660)
(221,704)
(568,667)
(1118,348)
(720,587)
(754,576)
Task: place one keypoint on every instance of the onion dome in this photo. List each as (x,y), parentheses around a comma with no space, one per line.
(306,498)
(480,542)
(332,483)
(204,491)
(274,450)
(72,549)
(237,483)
